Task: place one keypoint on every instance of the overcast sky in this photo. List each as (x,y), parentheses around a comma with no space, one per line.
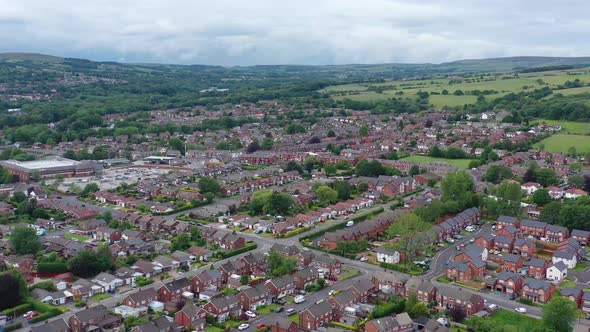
(248,32)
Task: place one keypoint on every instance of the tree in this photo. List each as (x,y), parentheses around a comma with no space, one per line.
(321,282)
(506,201)
(176,144)
(343,189)
(497,173)
(541,197)
(419,310)
(550,213)
(104,257)
(326,195)
(181,242)
(331,133)
(280,265)
(314,140)
(411,301)
(412,233)
(457,313)
(558,314)
(577,181)
(392,155)
(90,189)
(253,147)
(458,187)
(414,170)
(209,185)
(267,143)
(364,131)
(293,166)
(85,264)
(546,177)
(244,279)
(25,241)
(330,169)
(10,290)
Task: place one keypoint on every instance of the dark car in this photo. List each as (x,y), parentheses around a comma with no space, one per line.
(513,296)
(279,309)
(281,301)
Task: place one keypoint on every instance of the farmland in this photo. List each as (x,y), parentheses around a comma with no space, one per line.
(458,91)
(569,127)
(562,142)
(461,163)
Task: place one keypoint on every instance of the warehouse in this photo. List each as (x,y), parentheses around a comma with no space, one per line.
(48,167)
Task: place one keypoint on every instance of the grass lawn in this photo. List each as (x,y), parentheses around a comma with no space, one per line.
(569,127)
(267,309)
(580,267)
(567,283)
(289,299)
(76,236)
(562,142)
(512,321)
(100,297)
(294,318)
(461,163)
(440,101)
(350,273)
(213,329)
(444,279)
(265,234)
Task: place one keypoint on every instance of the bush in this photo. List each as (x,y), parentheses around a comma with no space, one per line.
(247,248)
(341,225)
(344,326)
(524,300)
(52,268)
(13,327)
(400,268)
(18,310)
(45,316)
(295,232)
(141,281)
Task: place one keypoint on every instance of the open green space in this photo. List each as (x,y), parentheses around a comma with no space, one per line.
(212,328)
(294,318)
(569,127)
(348,273)
(563,142)
(76,236)
(100,297)
(461,163)
(267,309)
(510,321)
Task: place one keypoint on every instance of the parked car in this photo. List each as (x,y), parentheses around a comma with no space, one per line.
(244,326)
(364,259)
(281,301)
(299,299)
(520,310)
(291,312)
(260,326)
(493,307)
(332,292)
(279,309)
(471,240)
(513,296)
(250,314)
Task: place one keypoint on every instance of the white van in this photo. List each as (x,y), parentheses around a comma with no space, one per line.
(299,299)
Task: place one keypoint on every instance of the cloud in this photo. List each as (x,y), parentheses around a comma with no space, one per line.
(239,32)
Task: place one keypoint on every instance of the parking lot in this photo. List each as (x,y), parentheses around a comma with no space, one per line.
(111,178)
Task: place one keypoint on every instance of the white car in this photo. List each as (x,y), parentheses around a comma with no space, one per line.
(364,259)
(520,310)
(332,292)
(242,327)
(250,314)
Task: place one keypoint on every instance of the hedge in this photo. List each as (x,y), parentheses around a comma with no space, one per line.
(43,268)
(295,232)
(13,327)
(46,315)
(247,248)
(184,208)
(344,326)
(341,225)
(400,268)
(18,310)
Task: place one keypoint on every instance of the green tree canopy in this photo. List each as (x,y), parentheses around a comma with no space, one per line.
(209,185)
(25,241)
(559,314)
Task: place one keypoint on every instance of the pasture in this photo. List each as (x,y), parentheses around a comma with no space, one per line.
(461,163)
(496,85)
(569,127)
(562,143)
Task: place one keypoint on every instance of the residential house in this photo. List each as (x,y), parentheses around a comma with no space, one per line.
(557,272)
(316,316)
(485,240)
(530,187)
(328,265)
(108,281)
(174,290)
(363,288)
(389,282)
(191,316)
(425,291)
(93,319)
(345,298)
(305,277)
(505,221)
(537,290)
(452,296)
(569,258)
(282,324)
(281,286)
(503,243)
(205,279)
(574,294)
(253,297)
(222,307)
(512,263)
(127,275)
(58,325)
(537,267)
(523,247)
(509,282)
(385,255)
(534,228)
(583,237)
(556,234)
(398,323)
(141,298)
(585,305)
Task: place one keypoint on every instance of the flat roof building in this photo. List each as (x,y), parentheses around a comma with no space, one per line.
(48,167)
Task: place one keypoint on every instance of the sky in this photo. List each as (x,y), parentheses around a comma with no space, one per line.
(311,32)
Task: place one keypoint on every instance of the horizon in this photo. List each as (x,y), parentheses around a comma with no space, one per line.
(325,32)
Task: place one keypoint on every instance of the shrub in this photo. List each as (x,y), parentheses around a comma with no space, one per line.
(525,301)
(246,248)
(295,232)
(52,268)
(45,316)
(13,327)
(18,310)
(142,281)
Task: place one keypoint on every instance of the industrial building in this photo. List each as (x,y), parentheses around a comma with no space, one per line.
(49,167)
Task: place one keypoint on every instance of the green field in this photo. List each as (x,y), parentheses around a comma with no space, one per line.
(569,127)
(76,236)
(501,84)
(461,163)
(512,322)
(562,142)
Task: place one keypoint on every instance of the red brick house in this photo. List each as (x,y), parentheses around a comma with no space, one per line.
(253,297)
(536,290)
(141,298)
(343,299)
(583,237)
(556,234)
(585,304)
(305,277)
(537,267)
(523,247)
(222,307)
(389,282)
(206,279)
(452,296)
(503,243)
(574,294)
(282,324)
(485,240)
(93,319)
(512,263)
(363,288)
(509,282)
(534,228)
(505,221)
(508,231)
(329,265)
(425,291)
(398,323)
(281,286)
(315,316)
(172,291)
(191,316)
